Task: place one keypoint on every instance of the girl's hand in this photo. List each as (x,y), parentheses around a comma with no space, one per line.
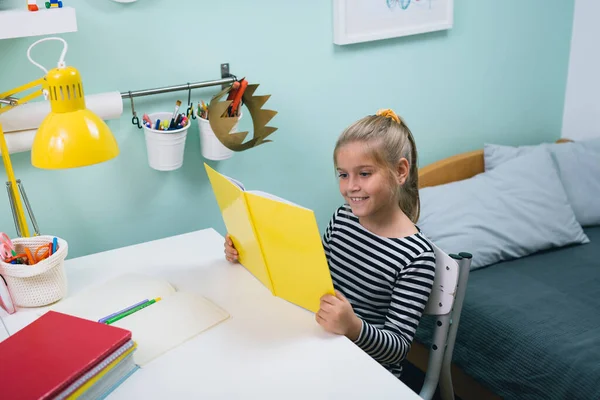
(231,253)
(337,316)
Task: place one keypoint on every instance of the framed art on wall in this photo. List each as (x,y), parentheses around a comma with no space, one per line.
(357,21)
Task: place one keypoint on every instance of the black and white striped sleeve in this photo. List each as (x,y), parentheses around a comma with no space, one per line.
(327,235)
(391,343)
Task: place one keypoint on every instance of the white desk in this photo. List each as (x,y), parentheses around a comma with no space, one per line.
(3,332)
(268,349)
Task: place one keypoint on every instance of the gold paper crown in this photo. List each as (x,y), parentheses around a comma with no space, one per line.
(222,126)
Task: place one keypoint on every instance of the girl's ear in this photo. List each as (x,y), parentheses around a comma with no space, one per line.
(402,170)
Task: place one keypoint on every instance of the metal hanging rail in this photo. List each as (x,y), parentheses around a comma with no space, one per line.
(177,88)
(226,79)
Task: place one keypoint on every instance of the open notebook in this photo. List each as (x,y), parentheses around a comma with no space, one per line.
(176,318)
(277,241)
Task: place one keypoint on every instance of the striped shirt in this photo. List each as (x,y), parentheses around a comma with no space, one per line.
(386,280)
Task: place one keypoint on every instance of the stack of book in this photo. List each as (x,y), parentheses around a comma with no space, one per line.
(60,356)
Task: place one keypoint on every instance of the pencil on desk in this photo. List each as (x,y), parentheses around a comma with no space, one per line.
(133,310)
(103,320)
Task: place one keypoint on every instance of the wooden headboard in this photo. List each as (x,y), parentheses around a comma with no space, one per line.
(455,168)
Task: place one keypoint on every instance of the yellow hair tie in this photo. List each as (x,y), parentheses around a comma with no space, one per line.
(388,113)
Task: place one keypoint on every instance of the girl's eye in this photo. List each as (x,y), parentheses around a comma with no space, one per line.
(365,174)
(342,175)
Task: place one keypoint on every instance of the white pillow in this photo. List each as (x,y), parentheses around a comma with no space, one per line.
(518,208)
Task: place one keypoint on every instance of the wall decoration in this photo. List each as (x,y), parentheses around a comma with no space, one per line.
(366,20)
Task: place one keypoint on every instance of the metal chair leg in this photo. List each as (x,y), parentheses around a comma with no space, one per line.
(436,357)
(446,388)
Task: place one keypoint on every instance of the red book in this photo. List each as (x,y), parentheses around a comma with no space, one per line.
(42,359)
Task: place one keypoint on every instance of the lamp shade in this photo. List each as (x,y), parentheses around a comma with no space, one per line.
(71,135)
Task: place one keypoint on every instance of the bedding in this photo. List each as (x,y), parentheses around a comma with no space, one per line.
(516,209)
(530,327)
(578,165)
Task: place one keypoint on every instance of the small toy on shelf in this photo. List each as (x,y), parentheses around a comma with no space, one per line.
(32,5)
(54,4)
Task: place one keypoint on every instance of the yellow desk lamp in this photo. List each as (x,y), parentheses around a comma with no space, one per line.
(70,136)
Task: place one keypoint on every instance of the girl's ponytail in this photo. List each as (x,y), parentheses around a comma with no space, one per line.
(410,202)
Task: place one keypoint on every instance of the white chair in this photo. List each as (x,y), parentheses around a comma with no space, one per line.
(445,302)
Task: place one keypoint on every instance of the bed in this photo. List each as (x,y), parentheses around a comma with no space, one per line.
(530,325)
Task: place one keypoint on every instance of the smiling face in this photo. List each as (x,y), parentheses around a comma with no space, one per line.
(366,185)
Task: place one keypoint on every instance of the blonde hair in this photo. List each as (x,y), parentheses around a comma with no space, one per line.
(389,140)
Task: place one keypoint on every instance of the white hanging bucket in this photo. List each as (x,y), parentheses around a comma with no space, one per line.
(165,148)
(211,146)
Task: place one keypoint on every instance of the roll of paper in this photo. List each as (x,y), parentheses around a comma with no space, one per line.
(30,116)
(19,141)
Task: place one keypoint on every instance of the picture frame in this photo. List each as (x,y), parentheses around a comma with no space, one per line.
(358,21)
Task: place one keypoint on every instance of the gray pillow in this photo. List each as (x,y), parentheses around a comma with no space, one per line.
(578,166)
(518,208)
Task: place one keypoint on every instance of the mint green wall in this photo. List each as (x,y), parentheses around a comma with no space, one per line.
(499,75)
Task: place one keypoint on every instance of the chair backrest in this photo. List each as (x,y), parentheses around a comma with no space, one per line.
(441,299)
(445,303)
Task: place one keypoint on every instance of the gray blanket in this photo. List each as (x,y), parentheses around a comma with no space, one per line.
(530,328)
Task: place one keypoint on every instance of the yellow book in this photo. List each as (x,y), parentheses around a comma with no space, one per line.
(277,241)
(96,378)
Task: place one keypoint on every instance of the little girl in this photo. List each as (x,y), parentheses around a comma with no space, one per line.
(382,267)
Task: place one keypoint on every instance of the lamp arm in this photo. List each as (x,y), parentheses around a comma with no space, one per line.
(16,102)
(12,187)
(14,190)
(36,229)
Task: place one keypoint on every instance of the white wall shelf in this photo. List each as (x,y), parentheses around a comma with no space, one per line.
(24,23)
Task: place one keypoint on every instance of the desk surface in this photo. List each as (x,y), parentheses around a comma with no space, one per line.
(3,332)
(268,348)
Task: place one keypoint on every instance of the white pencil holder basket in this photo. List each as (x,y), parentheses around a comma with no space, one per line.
(42,283)
(165,148)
